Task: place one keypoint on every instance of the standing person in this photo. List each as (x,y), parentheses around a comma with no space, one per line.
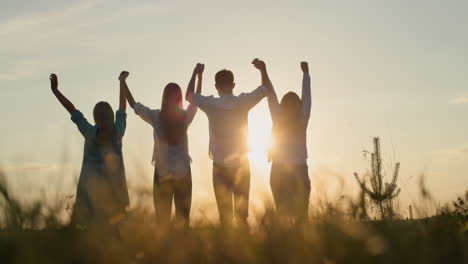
(102,194)
(289,177)
(228,122)
(172,174)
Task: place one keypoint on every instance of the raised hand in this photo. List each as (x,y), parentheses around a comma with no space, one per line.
(305,67)
(123,75)
(199,68)
(53,81)
(259,64)
(62,99)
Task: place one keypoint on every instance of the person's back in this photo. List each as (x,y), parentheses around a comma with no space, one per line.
(172,181)
(228,131)
(228,119)
(228,126)
(289,179)
(102,194)
(103,173)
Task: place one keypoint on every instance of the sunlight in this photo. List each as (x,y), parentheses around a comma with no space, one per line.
(259,136)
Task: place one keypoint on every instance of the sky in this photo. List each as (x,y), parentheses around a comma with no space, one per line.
(393,69)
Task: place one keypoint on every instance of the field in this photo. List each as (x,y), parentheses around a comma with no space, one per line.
(336,234)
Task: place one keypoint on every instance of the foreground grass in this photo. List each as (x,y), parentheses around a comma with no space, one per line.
(34,234)
(441,239)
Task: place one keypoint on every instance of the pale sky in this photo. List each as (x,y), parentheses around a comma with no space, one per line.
(394,69)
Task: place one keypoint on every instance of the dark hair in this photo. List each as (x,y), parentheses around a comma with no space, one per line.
(103,115)
(224,77)
(173,116)
(290,120)
(104,119)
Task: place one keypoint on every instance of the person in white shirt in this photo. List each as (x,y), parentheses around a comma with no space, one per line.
(228,122)
(289,179)
(172,174)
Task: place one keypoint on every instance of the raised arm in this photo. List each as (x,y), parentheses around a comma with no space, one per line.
(191,86)
(306,97)
(192,108)
(261,66)
(273,104)
(200,79)
(124,88)
(144,112)
(62,99)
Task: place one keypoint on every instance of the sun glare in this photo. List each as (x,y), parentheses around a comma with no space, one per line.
(259,136)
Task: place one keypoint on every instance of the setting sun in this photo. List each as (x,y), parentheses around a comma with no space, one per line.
(259,135)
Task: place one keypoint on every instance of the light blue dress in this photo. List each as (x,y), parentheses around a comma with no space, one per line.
(102,188)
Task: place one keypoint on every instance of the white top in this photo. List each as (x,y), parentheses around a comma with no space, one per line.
(171,161)
(228,121)
(295,151)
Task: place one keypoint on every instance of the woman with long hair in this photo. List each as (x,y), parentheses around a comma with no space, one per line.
(102,195)
(172,174)
(289,177)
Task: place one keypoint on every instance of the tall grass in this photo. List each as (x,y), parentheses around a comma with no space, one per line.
(334,234)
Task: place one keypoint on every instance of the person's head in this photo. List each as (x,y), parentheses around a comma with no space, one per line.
(172,100)
(103,116)
(291,104)
(290,121)
(224,81)
(172,116)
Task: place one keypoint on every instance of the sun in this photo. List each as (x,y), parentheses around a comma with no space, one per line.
(259,135)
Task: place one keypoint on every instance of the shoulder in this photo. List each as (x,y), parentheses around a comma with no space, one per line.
(260,90)
(202,101)
(197,97)
(139,108)
(211,98)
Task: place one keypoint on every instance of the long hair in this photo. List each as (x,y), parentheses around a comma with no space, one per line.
(173,116)
(290,122)
(104,119)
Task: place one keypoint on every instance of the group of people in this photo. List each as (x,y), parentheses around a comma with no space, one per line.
(102,193)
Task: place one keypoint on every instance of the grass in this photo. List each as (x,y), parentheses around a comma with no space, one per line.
(34,234)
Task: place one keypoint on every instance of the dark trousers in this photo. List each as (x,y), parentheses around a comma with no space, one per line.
(165,192)
(290,186)
(231,188)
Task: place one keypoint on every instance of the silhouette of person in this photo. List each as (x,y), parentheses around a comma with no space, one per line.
(289,177)
(102,194)
(228,123)
(172,173)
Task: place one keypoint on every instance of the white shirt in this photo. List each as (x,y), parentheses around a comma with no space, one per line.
(228,122)
(296,150)
(171,161)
